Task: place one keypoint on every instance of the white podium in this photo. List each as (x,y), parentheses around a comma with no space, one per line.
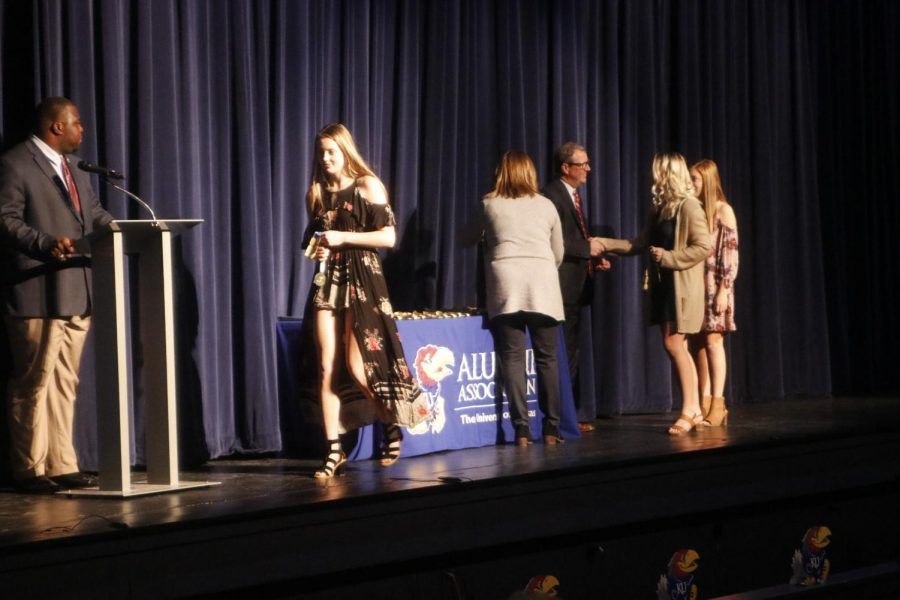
(151,242)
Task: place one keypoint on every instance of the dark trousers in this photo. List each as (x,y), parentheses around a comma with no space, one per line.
(509,341)
(585,401)
(571,328)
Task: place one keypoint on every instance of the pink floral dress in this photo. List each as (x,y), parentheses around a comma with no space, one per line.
(721,267)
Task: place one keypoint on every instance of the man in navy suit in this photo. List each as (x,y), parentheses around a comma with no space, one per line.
(582,255)
(46,206)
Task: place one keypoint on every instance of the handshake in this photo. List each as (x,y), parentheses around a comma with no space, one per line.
(597,251)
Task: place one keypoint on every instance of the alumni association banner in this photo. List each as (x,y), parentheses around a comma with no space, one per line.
(453,361)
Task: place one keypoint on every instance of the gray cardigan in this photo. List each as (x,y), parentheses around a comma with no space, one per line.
(523,250)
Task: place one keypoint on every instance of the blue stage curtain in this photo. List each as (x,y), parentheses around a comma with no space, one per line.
(211,107)
(857,102)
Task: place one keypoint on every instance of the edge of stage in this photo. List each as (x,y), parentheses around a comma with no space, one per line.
(603,514)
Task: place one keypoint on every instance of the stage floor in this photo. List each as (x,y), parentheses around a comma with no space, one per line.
(620,462)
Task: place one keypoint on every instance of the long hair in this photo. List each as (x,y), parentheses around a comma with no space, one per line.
(516,176)
(671,183)
(354,164)
(711,193)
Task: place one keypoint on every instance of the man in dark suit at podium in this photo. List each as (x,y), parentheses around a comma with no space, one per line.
(582,253)
(46,205)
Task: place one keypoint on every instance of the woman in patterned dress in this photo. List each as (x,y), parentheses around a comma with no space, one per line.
(354,326)
(721,269)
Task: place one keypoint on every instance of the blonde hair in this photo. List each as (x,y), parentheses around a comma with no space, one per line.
(516,176)
(671,183)
(711,193)
(354,164)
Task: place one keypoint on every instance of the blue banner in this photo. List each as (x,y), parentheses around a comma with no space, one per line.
(453,360)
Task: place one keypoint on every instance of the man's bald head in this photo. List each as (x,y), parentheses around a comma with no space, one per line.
(57,122)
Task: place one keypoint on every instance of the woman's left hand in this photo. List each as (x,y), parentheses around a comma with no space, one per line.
(656,253)
(721,302)
(333,238)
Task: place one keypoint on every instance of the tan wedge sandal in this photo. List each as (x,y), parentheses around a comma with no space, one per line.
(718,414)
(705,405)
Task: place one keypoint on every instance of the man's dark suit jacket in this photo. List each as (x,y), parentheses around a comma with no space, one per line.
(573,272)
(35,210)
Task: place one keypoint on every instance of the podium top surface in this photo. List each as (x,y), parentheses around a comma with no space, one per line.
(126,226)
(137,232)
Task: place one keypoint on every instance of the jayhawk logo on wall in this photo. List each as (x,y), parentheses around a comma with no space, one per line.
(810,564)
(432,365)
(678,582)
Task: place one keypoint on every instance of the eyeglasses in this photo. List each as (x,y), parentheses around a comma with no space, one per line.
(583,165)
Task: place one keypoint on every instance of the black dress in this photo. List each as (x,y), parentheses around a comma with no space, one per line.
(662,281)
(354,284)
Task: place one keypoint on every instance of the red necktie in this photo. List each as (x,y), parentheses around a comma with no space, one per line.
(582,226)
(70,183)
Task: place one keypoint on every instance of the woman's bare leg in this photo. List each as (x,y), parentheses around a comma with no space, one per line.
(355,360)
(390,451)
(328,326)
(715,352)
(676,345)
(697,346)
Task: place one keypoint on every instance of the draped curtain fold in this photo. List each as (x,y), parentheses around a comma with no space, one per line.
(211,109)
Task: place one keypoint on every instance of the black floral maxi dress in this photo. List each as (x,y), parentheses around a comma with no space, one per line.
(354,284)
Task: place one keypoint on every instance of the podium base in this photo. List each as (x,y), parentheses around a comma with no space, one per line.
(137,489)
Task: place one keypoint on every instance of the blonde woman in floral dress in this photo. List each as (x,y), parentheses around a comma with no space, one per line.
(708,346)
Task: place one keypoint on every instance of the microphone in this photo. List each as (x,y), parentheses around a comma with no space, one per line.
(108,174)
(131,195)
(101,171)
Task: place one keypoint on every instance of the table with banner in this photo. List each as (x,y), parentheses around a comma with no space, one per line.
(453,360)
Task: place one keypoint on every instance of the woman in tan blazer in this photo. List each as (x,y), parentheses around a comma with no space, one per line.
(677,238)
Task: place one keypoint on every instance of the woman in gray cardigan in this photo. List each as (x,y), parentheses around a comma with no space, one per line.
(523,249)
(677,237)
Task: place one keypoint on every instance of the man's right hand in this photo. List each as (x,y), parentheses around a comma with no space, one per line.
(63,249)
(596,247)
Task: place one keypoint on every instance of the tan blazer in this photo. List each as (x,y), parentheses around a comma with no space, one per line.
(692,244)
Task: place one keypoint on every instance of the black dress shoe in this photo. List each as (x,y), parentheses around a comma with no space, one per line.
(37,485)
(75,480)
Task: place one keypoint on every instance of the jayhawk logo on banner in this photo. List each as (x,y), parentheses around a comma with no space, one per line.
(432,365)
(678,582)
(810,564)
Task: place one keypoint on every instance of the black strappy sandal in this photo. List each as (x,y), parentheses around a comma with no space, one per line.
(334,461)
(390,448)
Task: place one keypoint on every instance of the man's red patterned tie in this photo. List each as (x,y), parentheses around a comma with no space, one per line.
(70,183)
